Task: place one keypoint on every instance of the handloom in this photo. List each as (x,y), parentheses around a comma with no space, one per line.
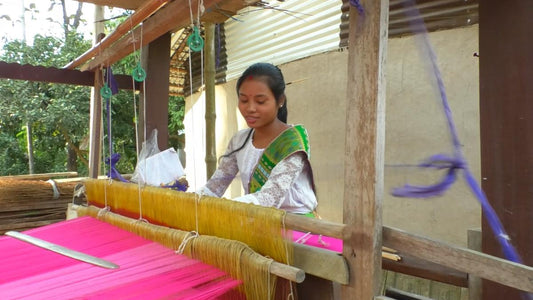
(225,234)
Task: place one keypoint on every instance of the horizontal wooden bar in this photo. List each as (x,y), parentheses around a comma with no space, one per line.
(321,263)
(55,75)
(316,226)
(469,261)
(40,176)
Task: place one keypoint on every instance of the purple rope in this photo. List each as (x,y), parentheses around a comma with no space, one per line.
(358,6)
(112,81)
(113,172)
(453,164)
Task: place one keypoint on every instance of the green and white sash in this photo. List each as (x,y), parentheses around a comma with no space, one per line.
(290,141)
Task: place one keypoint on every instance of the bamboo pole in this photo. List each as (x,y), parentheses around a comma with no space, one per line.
(210,106)
(147,9)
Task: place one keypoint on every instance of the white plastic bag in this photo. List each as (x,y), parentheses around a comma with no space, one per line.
(157,168)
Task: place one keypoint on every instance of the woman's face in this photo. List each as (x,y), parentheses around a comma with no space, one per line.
(257,103)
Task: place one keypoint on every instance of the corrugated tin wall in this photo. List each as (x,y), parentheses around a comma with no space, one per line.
(285,32)
(280,32)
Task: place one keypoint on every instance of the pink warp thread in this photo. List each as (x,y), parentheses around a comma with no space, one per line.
(147,270)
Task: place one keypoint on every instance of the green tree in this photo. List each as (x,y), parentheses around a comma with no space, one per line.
(57,113)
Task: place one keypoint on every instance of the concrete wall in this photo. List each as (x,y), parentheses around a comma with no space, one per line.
(415,129)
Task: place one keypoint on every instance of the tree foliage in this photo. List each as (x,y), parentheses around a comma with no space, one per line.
(59,113)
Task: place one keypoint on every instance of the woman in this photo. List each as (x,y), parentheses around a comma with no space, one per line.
(271,156)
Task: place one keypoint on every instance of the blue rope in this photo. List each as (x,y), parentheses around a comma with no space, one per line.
(457,162)
(358,6)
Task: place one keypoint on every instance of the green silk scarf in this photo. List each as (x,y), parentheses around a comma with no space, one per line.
(292,140)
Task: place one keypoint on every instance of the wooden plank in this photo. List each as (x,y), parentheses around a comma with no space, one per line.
(40,176)
(413,266)
(480,264)
(321,263)
(364,148)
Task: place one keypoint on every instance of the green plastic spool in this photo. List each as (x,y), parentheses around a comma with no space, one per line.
(106,92)
(138,73)
(195,41)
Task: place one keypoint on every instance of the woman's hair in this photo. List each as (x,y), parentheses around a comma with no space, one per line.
(273,77)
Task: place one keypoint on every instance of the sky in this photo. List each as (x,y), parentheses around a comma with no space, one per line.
(37,22)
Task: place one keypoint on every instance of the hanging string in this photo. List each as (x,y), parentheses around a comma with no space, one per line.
(452,163)
(103,92)
(197,197)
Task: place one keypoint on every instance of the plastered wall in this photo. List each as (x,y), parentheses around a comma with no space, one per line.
(415,129)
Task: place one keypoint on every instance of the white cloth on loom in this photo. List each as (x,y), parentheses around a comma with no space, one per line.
(288,187)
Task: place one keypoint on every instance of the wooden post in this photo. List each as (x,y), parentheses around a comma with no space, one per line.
(210,107)
(157,89)
(506,123)
(95,126)
(364,148)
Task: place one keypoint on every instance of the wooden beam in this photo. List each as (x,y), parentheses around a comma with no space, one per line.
(54,75)
(40,176)
(171,17)
(469,261)
(147,9)
(364,148)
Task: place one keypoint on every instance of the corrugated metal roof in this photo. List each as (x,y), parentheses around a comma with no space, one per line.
(437,15)
(281,32)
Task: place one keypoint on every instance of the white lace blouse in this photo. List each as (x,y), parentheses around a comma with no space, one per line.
(288,187)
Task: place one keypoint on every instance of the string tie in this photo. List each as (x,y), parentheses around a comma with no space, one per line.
(103,211)
(191,235)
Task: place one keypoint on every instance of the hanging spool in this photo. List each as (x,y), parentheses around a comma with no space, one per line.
(106,92)
(138,73)
(195,41)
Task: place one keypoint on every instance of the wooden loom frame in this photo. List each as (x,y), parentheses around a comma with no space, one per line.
(362,229)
